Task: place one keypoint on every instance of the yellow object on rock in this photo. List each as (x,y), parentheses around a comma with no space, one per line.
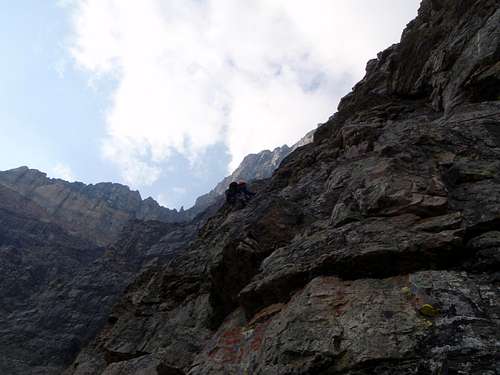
(406,291)
(429,310)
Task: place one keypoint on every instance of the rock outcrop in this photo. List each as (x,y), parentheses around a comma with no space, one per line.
(373,250)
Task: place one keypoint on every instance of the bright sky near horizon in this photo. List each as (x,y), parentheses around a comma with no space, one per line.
(167,96)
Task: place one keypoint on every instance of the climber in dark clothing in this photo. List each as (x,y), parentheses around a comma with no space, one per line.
(238,194)
(232,193)
(245,193)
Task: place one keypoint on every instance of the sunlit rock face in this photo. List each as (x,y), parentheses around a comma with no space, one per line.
(97,212)
(372,250)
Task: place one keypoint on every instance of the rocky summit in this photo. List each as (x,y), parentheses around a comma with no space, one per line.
(375,249)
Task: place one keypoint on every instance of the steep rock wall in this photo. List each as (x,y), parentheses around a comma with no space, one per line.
(375,249)
(57,287)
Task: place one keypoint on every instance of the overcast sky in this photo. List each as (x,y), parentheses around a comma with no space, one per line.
(168,96)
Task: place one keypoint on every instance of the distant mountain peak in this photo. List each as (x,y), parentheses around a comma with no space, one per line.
(96,211)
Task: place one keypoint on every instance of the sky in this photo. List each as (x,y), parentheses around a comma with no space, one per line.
(168,96)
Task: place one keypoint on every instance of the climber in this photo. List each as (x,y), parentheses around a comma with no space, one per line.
(232,193)
(238,194)
(244,192)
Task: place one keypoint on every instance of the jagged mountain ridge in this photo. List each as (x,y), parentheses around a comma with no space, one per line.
(99,211)
(95,212)
(373,250)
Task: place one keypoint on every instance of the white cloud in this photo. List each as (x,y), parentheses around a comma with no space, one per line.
(253,74)
(179,190)
(65,3)
(163,200)
(60,68)
(63,171)
(170,199)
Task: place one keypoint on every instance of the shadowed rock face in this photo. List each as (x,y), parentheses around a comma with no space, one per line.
(57,285)
(35,255)
(373,250)
(59,273)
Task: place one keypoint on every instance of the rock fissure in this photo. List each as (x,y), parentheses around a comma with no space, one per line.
(112,357)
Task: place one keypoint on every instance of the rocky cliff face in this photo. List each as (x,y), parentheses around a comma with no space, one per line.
(373,250)
(35,255)
(95,212)
(57,283)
